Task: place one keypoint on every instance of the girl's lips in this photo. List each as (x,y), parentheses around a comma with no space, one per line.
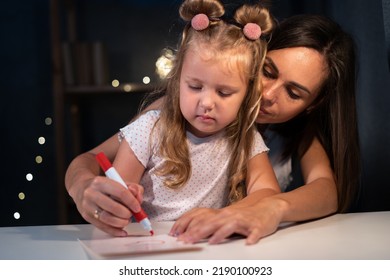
(205,117)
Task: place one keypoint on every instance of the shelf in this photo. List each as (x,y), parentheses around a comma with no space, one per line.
(127,88)
(71,102)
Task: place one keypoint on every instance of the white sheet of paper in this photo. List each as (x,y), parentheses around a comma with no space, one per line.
(133,245)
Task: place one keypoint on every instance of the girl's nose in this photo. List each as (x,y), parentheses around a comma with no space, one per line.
(206,100)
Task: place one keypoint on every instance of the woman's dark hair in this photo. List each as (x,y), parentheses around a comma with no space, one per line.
(333,117)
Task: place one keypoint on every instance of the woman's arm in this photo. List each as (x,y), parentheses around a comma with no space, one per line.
(91,192)
(88,188)
(318,197)
(85,167)
(200,223)
(257,215)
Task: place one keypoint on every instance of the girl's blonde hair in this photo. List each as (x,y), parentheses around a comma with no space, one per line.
(224,40)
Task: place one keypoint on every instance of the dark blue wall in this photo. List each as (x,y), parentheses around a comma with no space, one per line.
(25,88)
(364,19)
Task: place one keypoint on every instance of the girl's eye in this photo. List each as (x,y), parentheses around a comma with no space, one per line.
(224,94)
(195,87)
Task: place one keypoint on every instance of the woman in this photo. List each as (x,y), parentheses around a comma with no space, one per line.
(308,111)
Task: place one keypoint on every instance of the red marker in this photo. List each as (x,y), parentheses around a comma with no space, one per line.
(111,173)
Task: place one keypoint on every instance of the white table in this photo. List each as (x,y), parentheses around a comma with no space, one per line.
(364,236)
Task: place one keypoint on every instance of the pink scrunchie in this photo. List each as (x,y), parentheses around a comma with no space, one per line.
(252,31)
(200,22)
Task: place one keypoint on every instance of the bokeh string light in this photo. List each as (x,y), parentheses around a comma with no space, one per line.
(163,67)
(29,176)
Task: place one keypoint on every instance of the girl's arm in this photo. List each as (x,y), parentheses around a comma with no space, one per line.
(259,214)
(127,164)
(260,178)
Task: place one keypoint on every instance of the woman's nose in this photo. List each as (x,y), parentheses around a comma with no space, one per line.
(270,91)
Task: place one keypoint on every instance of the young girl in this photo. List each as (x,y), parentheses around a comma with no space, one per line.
(203,138)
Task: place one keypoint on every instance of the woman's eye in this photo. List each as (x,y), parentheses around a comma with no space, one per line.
(267,72)
(292,95)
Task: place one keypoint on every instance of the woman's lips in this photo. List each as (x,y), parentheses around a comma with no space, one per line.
(264,111)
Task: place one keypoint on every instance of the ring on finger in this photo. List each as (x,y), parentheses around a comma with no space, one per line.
(96,213)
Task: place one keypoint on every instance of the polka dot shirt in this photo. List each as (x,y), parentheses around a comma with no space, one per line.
(209,161)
